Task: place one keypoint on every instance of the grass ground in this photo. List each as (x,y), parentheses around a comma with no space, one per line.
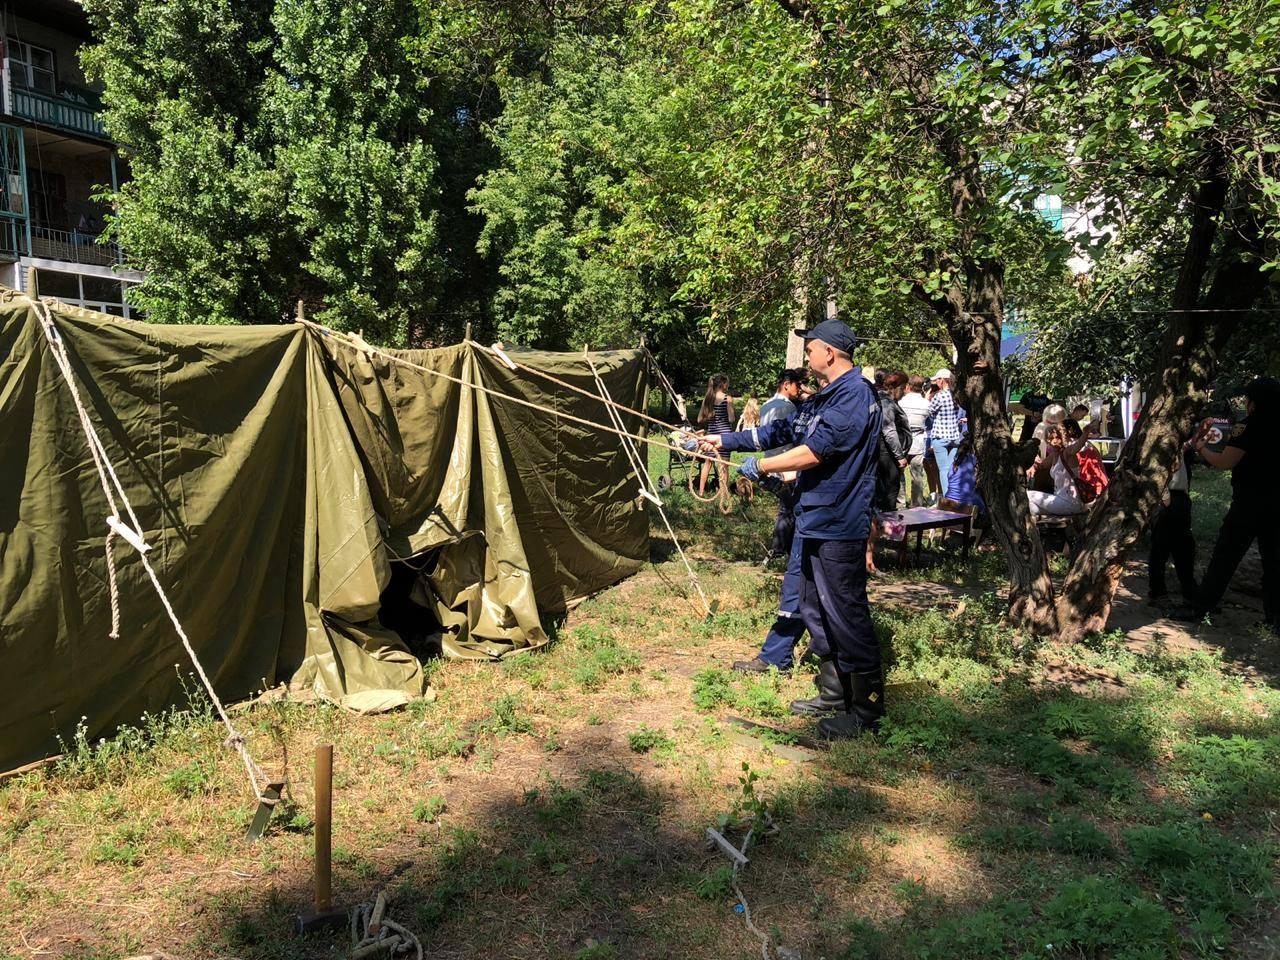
(1116,799)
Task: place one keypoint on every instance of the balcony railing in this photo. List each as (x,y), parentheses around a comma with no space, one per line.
(72,109)
(13,237)
(73,246)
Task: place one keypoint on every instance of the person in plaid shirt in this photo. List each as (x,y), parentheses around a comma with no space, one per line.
(944,425)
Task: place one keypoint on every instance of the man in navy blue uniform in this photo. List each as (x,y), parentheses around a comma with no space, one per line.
(835,436)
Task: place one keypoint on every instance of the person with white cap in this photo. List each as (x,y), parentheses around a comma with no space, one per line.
(944,425)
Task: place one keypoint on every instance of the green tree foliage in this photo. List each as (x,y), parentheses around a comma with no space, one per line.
(579,219)
(555,207)
(278,151)
(1144,107)
(628,200)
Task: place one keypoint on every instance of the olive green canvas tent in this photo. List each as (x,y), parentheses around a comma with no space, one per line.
(300,498)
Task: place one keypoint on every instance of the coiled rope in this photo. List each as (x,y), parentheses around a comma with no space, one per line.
(373,934)
(723,495)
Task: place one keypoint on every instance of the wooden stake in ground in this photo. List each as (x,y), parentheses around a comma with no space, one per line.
(324,914)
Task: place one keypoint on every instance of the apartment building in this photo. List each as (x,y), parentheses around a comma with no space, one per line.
(55,156)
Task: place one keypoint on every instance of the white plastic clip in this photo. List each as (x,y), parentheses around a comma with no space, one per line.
(497,348)
(650,497)
(132,536)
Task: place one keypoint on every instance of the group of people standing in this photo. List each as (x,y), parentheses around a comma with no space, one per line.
(844,452)
(922,426)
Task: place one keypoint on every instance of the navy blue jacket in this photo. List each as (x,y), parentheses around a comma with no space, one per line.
(841,424)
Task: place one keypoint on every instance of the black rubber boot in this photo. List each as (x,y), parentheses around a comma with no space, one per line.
(863,695)
(830,698)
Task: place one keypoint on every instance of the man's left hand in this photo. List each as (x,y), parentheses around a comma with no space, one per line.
(750,468)
(709,443)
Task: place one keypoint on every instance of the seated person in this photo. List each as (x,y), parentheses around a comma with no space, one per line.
(962,484)
(1084,461)
(1065,500)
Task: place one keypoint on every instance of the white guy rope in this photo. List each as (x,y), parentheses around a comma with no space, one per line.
(646,482)
(360,345)
(134,537)
(513,364)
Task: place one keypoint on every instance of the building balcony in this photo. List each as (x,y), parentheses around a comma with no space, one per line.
(72,109)
(48,244)
(73,246)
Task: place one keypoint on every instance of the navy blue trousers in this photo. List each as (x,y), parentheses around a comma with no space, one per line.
(784,526)
(833,601)
(1243,524)
(788,628)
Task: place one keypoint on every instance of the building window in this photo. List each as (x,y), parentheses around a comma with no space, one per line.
(104,294)
(1050,207)
(31,67)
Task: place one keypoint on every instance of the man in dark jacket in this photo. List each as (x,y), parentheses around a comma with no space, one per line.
(836,437)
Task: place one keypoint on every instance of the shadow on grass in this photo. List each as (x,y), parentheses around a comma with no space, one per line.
(585,863)
(1089,828)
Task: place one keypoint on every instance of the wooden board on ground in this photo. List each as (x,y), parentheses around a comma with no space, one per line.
(801,749)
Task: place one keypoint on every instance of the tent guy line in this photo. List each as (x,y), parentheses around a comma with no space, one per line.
(646,481)
(359,344)
(104,467)
(497,351)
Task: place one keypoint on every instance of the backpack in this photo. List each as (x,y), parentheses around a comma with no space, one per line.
(1093,477)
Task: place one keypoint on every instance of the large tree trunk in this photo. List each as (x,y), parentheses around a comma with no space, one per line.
(1195,332)
(973,311)
(974,319)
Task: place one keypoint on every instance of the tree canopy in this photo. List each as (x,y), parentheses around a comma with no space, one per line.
(708,174)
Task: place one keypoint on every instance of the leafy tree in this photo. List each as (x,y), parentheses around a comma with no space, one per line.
(1167,120)
(600,225)
(278,151)
(898,157)
(567,141)
(866,159)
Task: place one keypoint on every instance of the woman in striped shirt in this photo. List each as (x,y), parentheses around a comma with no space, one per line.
(716,416)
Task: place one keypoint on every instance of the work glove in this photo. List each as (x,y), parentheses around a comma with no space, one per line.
(750,468)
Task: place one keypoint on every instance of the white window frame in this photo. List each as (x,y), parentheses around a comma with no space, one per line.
(22,63)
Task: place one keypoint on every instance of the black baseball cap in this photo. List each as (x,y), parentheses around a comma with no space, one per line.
(834,332)
(793,375)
